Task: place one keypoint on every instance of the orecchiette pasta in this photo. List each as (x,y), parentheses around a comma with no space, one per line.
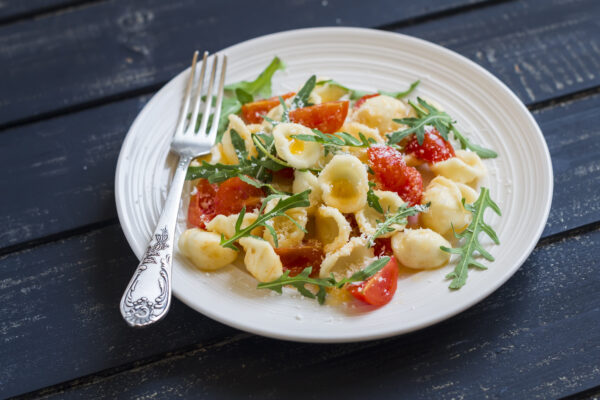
(328,92)
(298,153)
(367,218)
(446,209)
(228,152)
(344,183)
(332,228)
(466,167)
(420,248)
(225,225)
(288,233)
(204,249)
(261,260)
(304,180)
(378,112)
(352,257)
(354,128)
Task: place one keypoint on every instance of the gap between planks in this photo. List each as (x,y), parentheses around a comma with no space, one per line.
(48,11)
(151,89)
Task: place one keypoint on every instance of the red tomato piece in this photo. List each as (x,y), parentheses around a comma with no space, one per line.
(366,97)
(202,204)
(326,117)
(392,173)
(295,259)
(284,174)
(379,289)
(233,194)
(253,112)
(383,247)
(434,148)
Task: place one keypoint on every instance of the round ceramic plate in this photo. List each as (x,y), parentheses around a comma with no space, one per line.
(520,180)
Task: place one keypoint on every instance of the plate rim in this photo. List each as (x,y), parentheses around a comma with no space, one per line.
(127,231)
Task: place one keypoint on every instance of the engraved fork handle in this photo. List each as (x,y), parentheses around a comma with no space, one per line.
(148,295)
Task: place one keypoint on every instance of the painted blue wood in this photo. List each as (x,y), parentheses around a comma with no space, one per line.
(13,9)
(536,337)
(113,47)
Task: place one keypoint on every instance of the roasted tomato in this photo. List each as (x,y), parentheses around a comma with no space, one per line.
(202,204)
(366,97)
(379,289)
(392,173)
(383,247)
(233,194)
(326,117)
(434,148)
(295,259)
(253,112)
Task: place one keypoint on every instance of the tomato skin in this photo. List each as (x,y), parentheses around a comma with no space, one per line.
(392,173)
(202,204)
(307,254)
(434,148)
(383,247)
(379,289)
(366,97)
(326,117)
(252,113)
(234,194)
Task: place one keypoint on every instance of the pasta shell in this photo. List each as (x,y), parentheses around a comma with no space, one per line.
(367,218)
(261,260)
(420,248)
(351,258)
(466,167)
(378,112)
(332,228)
(288,233)
(227,149)
(204,249)
(344,183)
(298,153)
(225,224)
(304,180)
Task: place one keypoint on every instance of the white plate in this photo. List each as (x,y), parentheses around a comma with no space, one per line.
(520,180)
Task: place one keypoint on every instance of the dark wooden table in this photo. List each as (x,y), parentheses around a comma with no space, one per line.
(74,74)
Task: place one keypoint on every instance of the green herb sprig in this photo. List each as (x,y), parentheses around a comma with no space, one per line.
(471,239)
(261,86)
(333,141)
(284,204)
(302,279)
(399,217)
(428,115)
(372,199)
(357,94)
(301,98)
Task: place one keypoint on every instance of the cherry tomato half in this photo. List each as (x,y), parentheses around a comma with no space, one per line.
(366,97)
(433,149)
(233,194)
(253,112)
(379,289)
(202,204)
(392,173)
(307,254)
(326,117)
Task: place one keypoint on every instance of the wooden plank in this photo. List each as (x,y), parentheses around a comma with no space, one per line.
(536,337)
(14,9)
(540,49)
(71,161)
(59,316)
(124,46)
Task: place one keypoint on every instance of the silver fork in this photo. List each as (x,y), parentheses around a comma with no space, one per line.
(148,295)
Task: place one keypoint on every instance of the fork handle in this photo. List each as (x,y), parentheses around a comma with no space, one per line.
(148,295)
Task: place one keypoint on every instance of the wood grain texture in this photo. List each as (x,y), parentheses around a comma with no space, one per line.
(536,337)
(71,161)
(59,315)
(111,48)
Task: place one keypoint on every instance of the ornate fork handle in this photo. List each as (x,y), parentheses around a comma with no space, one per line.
(148,295)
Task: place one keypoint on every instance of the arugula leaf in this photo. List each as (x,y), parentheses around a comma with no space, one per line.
(284,204)
(399,95)
(301,98)
(261,86)
(372,199)
(428,115)
(397,218)
(269,151)
(216,173)
(334,140)
(239,145)
(243,96)
(357,94)
(258,184)
(471,236)
(299,281)
(285,115)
